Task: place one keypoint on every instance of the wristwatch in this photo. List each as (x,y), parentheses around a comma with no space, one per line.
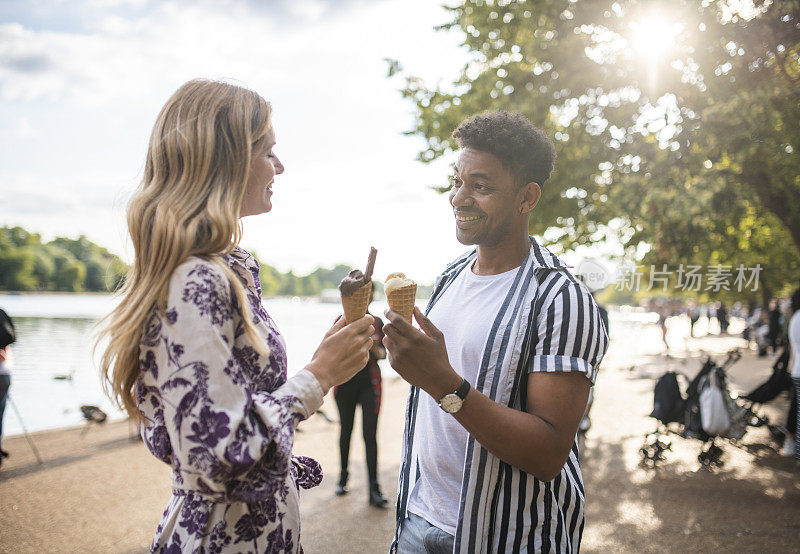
(452,402)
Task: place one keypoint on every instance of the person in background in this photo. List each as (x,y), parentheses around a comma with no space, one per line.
(662,325)
(7,337)
(761,332)
(365,389)
(694,316)
(752,319)
(722,318)
(794,365)
(775,327)
(193,354)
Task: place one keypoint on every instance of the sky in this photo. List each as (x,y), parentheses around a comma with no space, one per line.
(82,81)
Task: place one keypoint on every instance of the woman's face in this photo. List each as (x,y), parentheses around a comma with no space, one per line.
(264,165)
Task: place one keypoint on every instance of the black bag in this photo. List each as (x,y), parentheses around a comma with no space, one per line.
(7,333)
(667,399)
(778,382)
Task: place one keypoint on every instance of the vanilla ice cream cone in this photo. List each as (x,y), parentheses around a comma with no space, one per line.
(401,293)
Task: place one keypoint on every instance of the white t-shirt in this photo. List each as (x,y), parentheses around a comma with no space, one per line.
(464,313)
(794,344)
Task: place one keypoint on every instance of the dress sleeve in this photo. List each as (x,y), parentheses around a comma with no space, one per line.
(571,334)
(217,426)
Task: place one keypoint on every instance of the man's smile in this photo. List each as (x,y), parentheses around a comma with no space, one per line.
(466,217)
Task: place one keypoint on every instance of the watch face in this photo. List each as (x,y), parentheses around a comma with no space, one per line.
(451,403)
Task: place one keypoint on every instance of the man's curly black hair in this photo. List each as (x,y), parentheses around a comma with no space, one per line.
(526,152)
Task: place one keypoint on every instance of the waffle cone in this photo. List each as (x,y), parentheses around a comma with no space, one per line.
(355,305)
(402,300)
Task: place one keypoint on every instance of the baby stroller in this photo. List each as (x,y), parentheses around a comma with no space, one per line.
(727,417)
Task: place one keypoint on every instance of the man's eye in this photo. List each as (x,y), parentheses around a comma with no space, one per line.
(480,186)
(455,181)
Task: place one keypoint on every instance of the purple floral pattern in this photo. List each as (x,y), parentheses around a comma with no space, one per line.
(223,416)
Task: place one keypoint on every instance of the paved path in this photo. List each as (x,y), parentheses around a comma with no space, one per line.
(104,493)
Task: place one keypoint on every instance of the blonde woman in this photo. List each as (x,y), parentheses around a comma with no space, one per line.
(192,353)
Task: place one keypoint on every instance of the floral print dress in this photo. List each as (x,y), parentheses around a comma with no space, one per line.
(223,416)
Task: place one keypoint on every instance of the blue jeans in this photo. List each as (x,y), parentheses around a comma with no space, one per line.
(417,536)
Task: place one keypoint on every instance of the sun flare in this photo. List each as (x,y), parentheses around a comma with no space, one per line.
(653,37)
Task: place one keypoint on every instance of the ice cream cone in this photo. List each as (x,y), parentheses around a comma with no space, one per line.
(402,300)
(355,305)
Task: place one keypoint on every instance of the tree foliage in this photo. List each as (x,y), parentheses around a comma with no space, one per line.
(78,265)
(690,147)
(63,264)
(275,283)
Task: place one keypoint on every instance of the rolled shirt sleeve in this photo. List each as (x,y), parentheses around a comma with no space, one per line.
(571,334)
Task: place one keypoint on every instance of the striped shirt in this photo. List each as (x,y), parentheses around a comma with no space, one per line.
(548,322)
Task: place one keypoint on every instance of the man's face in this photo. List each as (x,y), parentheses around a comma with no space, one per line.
(484,199)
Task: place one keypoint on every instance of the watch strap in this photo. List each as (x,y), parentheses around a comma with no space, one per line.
(462,389)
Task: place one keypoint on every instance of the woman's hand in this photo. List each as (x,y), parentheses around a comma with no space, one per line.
(342,353)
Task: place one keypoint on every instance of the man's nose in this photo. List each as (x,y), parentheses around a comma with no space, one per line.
(459,197)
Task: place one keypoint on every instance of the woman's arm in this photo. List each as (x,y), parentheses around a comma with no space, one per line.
(217,425)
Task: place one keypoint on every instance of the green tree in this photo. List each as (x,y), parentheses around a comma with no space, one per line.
(81,247)
(274,283)
(270,280)
(311,285)
(16,270)
(17,236)
(62,264)
(695,152)
(95,274)
(43,268)
(70,276)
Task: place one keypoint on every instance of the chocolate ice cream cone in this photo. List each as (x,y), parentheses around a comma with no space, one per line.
(355,305)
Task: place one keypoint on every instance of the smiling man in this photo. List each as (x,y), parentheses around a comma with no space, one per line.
(501,370)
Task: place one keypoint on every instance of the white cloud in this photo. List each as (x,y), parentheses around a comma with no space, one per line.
(92,93)
(25,129)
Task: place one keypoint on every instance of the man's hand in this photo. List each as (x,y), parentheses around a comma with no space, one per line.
(420,357)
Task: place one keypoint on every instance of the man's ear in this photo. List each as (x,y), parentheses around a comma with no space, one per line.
(528,197)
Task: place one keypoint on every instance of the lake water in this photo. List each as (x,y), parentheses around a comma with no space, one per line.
(55,372)
(54,339)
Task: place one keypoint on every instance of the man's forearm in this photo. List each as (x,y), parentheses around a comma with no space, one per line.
(520,439)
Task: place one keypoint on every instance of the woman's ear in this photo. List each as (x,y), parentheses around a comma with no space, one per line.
(528,197)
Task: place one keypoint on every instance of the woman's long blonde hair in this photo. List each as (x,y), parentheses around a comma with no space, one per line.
(188,204)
